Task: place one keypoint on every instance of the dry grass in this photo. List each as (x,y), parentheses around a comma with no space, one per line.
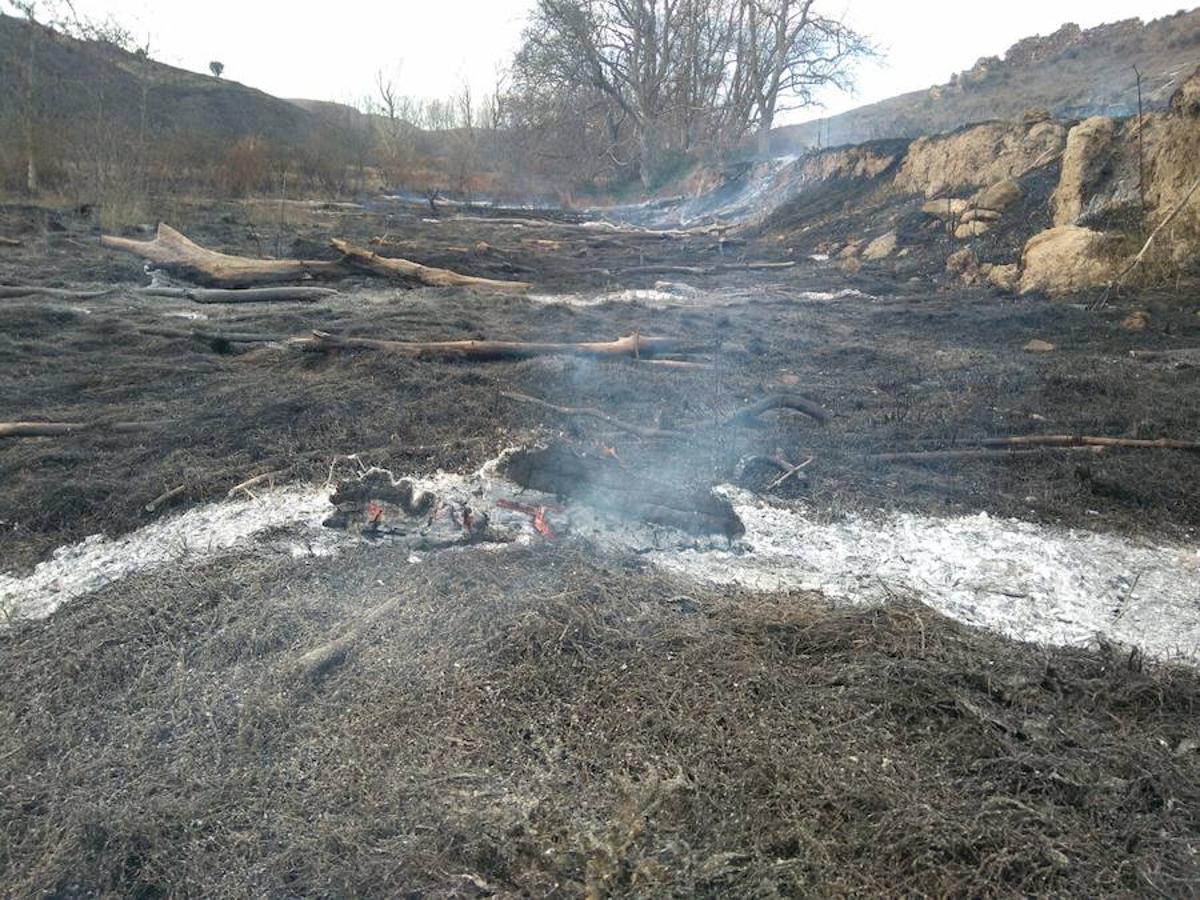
(542,722)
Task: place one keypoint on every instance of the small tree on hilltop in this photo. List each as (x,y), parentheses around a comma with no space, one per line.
(216,68)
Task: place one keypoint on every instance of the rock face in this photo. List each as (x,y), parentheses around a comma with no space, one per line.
(977,157)
(1067,259)
(1088,151)
(881,248)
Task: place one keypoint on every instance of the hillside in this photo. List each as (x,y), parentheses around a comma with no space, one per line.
(1073,73)
(79,79)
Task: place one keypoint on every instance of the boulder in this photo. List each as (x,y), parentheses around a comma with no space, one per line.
(1037,345)
(1136,320)
(1068,259)
(980,215)
(1006,278)
(881,248)
(1089,147)
(969,230)
(850,251)
(1000,196)
(963,264)
(946,209)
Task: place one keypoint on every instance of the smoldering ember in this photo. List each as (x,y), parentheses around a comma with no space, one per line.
(649,474)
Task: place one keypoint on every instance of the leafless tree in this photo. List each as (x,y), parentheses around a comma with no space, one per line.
(671,75)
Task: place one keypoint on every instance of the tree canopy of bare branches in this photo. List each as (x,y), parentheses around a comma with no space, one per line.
(645,78)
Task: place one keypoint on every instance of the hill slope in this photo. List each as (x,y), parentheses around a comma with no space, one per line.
(78,80)
(1072,73)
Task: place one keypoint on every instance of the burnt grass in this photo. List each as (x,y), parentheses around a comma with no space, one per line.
(547,721)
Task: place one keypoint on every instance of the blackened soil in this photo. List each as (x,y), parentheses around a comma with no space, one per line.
(924,367)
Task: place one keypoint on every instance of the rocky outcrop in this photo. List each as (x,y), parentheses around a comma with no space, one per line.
(1174,167)
(1066,260)
(978,157)
(1088,152)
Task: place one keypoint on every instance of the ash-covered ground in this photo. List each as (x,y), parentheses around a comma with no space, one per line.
(567,714)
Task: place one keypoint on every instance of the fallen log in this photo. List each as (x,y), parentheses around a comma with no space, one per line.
(566,472)
(179,255)
(242,295)
(11,291)
(633,345)
(10,242)
(393,267)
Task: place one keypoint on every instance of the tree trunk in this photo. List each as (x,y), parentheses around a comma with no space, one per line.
(764,138)
(31,167)
(645,156)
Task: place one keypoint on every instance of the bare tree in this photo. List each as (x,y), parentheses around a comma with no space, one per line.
(786,51)
(672,75)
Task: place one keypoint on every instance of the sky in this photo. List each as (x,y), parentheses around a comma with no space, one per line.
(429,47)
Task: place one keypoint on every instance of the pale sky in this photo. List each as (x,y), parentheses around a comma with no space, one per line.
(327,51)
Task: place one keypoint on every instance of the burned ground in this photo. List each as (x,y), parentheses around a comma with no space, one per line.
(546,720)
(925,367)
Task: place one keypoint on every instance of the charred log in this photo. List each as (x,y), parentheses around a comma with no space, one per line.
(609,487)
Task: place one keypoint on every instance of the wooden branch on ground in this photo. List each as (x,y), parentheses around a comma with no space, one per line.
(178,254)
(676,364)
(165,497)
(977,453)
(253,482)
(318,662)
(786,400)
(589,413)
(243,295)
(10,291)
(633,345)
(1084,440)
(1181,355)
(742,417)
(393,267)
(227,337)
(10,242)
(704,270)
(58,429)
